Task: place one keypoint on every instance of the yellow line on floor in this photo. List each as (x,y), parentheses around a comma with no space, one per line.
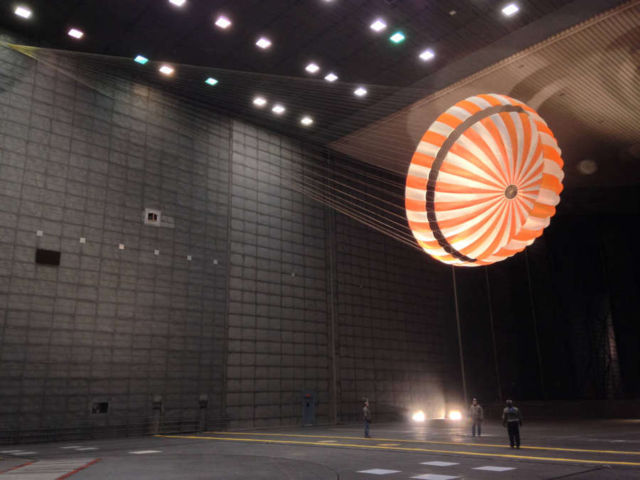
(430,442)
(404,449)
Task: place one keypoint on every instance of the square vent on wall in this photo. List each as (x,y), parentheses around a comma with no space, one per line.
(152,217)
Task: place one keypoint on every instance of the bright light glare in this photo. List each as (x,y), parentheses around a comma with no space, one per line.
(75,33)
(166,70)
(360,91)
(211,81)
(455,415)
(331,77)
(427,55)
(263,43)
(259,101)
(418,416)
(278,109)
(223,22)
(178,3)
(141,59)
(23,12)
(510,10)
(306,121)
(378,25)
(397,37)
(312,67)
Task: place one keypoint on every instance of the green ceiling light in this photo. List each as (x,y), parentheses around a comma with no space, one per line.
(397,37)
(141,59)
(211,81)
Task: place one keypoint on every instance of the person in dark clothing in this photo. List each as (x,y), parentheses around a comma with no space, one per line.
(512,419)
(476,415)
(366,414)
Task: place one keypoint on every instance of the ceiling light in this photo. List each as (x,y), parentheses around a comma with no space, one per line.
(23,12)
(331,77)
(378,25)
(141,59)
(427,55)
(166,70)
(75,33)
(178,3)
(360,91)
(259,101)
(510,10)
(306,121)
(312,68)
(211,81)
(397,37)
(263,43)
(223,22)
(278,109)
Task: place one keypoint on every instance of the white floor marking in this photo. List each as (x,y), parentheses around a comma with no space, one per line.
(433,476)
(25,453)
(494,469)
(379,471)
(11,451)
(72,446)
(439,464)
(144,452)
(85,449)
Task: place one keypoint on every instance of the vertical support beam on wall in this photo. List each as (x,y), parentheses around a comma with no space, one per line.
(227,272)
(493,334)
(330,235)
(535,325)
(455,298)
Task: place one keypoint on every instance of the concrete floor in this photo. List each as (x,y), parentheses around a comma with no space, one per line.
(602,450)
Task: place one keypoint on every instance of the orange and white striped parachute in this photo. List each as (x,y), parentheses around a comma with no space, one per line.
(483,182)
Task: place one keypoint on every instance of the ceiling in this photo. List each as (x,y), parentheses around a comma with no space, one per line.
(576,61)
(334,33)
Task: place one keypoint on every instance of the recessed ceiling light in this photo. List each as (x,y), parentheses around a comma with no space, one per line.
(397,37)
(24,12)
(75,33)
(452,12)
(427,55)
(166,70)
(331,77)
(312,68)
(178,3)
(211,81)
(278,109)
(360,91)
(141,59)
(306,121)
(223,22)
(378,25)
(510,10)
(263,43)
(259,101)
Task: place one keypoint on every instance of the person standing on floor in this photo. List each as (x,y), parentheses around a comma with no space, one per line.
(366,414)
(512,419)
(476,415)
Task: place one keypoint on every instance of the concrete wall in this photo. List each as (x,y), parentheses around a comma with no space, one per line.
(256,294)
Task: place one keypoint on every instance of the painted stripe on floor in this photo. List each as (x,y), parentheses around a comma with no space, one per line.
(490,468)
(379,471)
(85,449)
(407,449)
(434,476)
(439,464)
(388,444)
(144,452)
(24,453)
(50,469)
(432,442)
